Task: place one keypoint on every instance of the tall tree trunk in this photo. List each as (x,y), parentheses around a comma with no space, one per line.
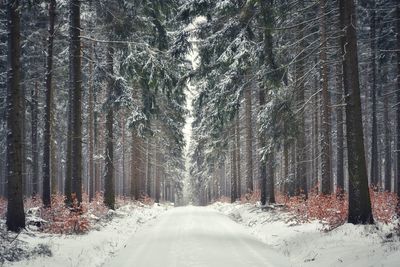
(326,173)
(387,143)
(285,167)
(15,205)
(359,198)
(249,141)
(316,126)
(68,156)
(135,166)
(35,149)
(239,180)
(53,153)
(157,165)
(271,179)
(339,129)
(374,135)
(48,109)
(398,106)
(76,87)
(149,166)
(397,186)
(301,138)
(97,148)
(263,161)
(91,127)
(109,182)
(234,183)
(124,183)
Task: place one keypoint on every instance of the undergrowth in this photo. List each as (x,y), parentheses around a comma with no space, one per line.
(63,219)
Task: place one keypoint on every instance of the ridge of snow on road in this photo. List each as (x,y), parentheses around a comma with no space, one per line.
(93,248)
(305,244)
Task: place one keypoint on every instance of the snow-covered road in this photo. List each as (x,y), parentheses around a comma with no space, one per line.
(195,237)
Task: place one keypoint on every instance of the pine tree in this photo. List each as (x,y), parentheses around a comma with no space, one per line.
(48,109)
(15,207)
(359,199)
(76,106)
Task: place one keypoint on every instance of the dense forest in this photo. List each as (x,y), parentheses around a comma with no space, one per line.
(290,98)
(296,98)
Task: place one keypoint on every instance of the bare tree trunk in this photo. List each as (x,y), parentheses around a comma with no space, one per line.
(314,184)
(149,166)
(374,135)
(326,172)
(109,180)
(301,138)
(339,129)
(387,143)
(271,179)
(239,180)
(285,167)
(35,148)
(359,199)
(398,106)
(76,86)
(157,164)
(48,109)
(234,183)
(15,205)
(91,127)
(135,163)
(249,141)
(124,182)
(53,153)
(263,161)
(68,156)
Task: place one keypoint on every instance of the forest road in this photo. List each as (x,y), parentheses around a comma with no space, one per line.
(195,237)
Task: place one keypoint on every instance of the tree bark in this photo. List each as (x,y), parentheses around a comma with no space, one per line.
(149,166)
(387,143)
(326,172)
(234,183)
(124,183)
(359,198)
(239,180)
(263,161)
(135,166)
(398,106)
(374,135)
(339,130)
(301,138)
(76,87)
(48,109)
(109,182)
(271,180)
(35,148)
(91,128)
(249,141)
(15,205)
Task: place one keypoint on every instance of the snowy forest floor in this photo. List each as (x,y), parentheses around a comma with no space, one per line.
(302,243)
(310,244)
(107,235)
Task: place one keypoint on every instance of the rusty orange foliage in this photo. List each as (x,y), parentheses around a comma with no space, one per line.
(333,209)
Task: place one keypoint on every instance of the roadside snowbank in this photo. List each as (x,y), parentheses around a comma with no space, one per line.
(91,249)
(306,244)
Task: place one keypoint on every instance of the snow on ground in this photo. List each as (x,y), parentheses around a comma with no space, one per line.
(91,249)
(306,244)
(196,237)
